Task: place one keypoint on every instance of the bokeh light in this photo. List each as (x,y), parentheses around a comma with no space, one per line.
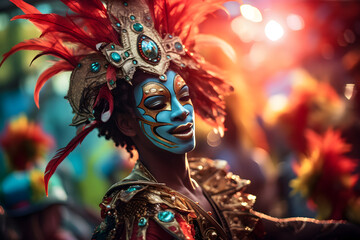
(295,22)
(273,30)
(251,13)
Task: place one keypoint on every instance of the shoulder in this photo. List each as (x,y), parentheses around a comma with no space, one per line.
(227,191)
(214,177)
(141,209)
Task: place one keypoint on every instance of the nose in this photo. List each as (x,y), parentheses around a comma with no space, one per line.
(179,113)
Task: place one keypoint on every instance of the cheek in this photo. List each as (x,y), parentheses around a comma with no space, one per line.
(163,117)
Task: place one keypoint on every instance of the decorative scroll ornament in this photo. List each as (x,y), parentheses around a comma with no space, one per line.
(142,46)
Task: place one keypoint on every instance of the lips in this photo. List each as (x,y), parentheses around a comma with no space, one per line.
(183,132)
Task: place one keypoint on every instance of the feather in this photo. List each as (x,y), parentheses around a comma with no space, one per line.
(88,26)
(58,67)
(64,152)
(27,9)
(40,45)
(206,40)
(106,95)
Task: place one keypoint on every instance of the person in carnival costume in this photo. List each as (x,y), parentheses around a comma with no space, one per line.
(137,78)
(29,214)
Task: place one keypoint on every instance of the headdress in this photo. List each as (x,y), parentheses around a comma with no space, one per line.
(112,43)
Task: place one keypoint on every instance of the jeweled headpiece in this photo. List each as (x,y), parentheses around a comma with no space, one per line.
(100,45)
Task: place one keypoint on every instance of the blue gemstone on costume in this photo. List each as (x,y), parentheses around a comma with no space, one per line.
(162,77)
(168,56)
(111,82)
(118,24)
(142,222)
(138,27)
(166,216)
(170,36)
(124,31)
(134,62)
(115,56)
(133,188)
(178,46)
(79,65)
(112,46)
(132,17)
(125,4)
(95,67)
(126,54)
(149,48)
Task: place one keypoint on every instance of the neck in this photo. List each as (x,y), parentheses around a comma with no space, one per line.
(169,168)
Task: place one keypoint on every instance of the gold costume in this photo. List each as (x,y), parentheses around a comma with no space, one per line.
(140,198)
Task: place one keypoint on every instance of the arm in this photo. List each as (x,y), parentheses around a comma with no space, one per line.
(307,228)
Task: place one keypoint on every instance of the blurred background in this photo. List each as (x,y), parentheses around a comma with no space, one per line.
(293,120)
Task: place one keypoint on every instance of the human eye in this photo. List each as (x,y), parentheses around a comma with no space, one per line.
(184,94)
(155,102)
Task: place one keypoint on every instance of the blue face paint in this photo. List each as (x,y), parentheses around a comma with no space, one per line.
(165,113)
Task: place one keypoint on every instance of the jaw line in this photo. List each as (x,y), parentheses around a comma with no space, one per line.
(153,126)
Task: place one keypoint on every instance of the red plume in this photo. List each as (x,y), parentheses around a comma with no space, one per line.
(64,152)
(59,66)
(181,18)
(105,94)
(88,25)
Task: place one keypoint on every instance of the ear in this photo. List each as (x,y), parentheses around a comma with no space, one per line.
(125,124)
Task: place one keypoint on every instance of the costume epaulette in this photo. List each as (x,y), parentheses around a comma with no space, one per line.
(226,190)
(130,204)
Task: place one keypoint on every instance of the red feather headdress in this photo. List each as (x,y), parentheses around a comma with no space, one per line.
(98,37)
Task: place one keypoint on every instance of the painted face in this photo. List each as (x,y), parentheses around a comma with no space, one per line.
(165,113)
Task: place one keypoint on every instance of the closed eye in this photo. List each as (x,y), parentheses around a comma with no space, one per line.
(184,94)
(155,102)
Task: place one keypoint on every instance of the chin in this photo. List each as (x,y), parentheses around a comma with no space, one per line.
(183,148)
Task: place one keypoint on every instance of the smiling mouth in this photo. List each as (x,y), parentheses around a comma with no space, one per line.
(183,132)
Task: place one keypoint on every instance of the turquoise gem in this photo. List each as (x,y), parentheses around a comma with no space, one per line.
(79,65)
(166,216)
(182,65)
(115,56)
(138,27)
(124,31)
(133,188)
(125,4)
(127,78)
(170,36)
(168,56)
(95,67)
(178,46)
(111,82)
(132,17)
(134,62)
(112,46)
(149,48)
(142,222)
(118,24)
(126,54)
